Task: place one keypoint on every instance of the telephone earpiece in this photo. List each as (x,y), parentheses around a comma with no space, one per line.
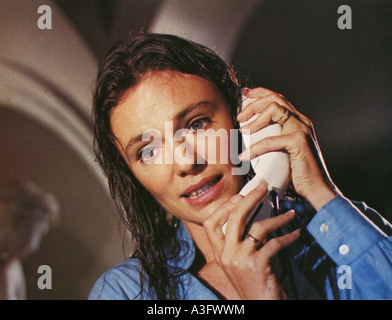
(272,168)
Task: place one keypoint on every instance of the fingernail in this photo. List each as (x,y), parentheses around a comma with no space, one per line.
(236,198)
(244,156)
(291,212)
(296,232)
(244,91)
(262,186)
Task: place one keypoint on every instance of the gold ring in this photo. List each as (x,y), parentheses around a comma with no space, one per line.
(250,237)
(285,115)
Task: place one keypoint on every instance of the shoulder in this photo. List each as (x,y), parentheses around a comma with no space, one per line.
(121,282)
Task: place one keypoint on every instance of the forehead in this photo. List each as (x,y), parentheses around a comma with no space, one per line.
(159,97)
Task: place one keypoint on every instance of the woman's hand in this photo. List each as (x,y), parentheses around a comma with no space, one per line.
(309,175)
(246,261)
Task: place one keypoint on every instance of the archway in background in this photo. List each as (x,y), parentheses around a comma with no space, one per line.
(45,129)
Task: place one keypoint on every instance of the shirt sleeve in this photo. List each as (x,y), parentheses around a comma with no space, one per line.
(360,248)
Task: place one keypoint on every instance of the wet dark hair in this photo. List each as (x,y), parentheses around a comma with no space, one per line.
(152,230)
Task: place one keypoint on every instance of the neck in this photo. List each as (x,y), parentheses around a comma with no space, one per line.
(208,270)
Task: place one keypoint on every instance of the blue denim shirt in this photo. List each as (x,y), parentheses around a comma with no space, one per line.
(123,281)
(344,252)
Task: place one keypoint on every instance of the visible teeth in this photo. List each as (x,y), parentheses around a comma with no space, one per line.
(203,189)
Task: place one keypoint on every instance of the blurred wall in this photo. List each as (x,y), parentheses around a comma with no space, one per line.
(46,137)
(215,23)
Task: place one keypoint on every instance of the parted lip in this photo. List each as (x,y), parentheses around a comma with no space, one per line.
(200,184)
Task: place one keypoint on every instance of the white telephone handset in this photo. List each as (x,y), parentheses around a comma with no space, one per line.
(273,168)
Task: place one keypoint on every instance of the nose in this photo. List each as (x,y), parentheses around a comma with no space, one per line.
(184,170)
(187,161)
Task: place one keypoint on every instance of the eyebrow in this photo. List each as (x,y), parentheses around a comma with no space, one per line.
(191,108)
(178,117)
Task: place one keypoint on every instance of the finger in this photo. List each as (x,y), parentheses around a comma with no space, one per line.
(289,142)
(213,224)
(261,104)
(272,113)
(266,96)
(260,230)
(272,247)
(236,222)
(258,92)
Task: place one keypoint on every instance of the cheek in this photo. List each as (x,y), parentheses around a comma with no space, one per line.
(154,178)
(218,147)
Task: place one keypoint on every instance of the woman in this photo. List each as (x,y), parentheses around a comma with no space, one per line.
(175,209)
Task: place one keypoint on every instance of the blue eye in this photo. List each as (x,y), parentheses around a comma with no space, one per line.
(199,124)
(148,154)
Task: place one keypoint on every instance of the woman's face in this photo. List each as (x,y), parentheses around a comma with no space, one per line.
(188,178)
